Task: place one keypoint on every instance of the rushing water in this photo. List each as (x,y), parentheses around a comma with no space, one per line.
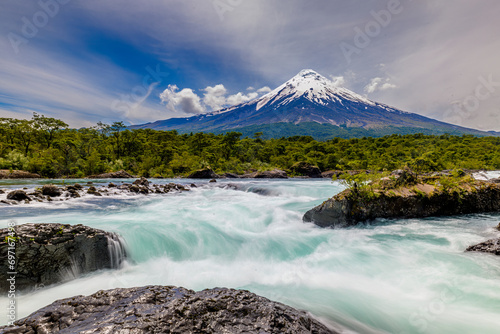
(390,276)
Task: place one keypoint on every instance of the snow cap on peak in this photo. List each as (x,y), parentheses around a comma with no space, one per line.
(312,86)
(307,72)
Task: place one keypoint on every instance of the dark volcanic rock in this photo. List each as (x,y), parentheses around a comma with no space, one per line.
(18,195)
(73,193)
(331,173)
(306,169)
(159,309)
(50,253)
(114,175)
(93,191)
(134,188)
(206,173)
(347,208)
(230,176)
(141,182)
(490,246)
(271,174)
(51,190)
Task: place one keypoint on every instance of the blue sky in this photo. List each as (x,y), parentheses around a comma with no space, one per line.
(140,61)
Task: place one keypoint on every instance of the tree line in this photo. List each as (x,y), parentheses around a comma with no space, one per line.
(47,146)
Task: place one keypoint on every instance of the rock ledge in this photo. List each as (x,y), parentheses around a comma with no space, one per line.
(51,253)
(168,309)
(404,195)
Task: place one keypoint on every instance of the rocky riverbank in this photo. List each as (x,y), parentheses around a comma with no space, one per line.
(50,253)
(17,174)
(404,194)
(207,173)
(50,193)
(167,309)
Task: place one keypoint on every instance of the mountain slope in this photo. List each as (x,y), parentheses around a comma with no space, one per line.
(309,98)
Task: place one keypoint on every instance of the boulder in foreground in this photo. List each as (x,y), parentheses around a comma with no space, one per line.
(51,253)
(167,309)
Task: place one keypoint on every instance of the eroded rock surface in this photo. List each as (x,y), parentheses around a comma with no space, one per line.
(167,309)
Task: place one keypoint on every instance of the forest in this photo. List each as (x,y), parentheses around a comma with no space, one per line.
(47,146)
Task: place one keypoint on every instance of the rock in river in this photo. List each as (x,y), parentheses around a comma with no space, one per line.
(50,253)
(416,199)
(18,195)
(167,309)
(491,246)
(51,190)
(271,174)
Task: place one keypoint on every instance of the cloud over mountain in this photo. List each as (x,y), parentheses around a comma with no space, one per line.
(214,98)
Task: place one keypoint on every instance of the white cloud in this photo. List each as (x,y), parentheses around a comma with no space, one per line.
(338,81)
(379,84)
(185,100)
(241,98)
(250,88)
(214,97)
(264,90)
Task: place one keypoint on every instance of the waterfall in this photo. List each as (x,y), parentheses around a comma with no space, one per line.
(117,251)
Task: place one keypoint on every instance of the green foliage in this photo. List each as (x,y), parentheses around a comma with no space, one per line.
(46,146)
(14,160)
(453,182)
(362,184)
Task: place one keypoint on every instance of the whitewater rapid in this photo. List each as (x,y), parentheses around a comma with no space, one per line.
(389,276)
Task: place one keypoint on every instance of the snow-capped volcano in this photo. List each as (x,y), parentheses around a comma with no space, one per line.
(307,99)
(311,86)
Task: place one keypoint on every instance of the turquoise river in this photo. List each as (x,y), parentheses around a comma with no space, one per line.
(388,276)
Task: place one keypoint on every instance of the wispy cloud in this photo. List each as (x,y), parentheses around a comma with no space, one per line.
(379,84)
